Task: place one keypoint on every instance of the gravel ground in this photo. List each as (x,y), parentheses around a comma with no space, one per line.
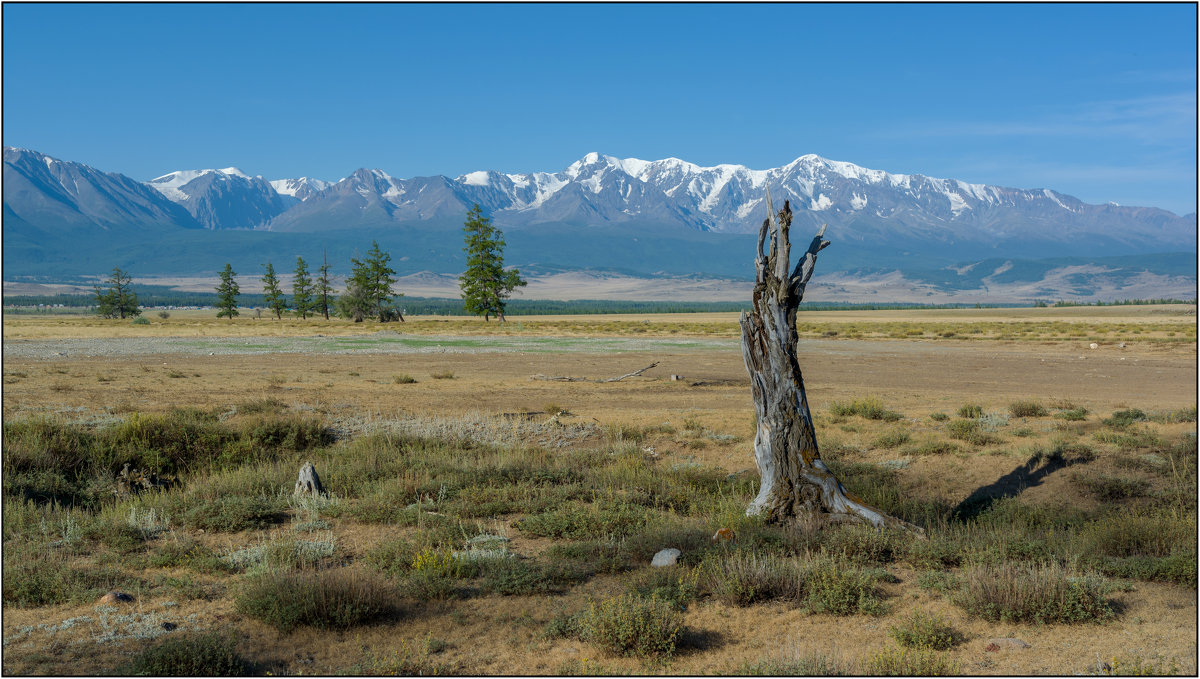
(383,342)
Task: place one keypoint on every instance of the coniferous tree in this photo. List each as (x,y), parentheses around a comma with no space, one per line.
(302,289)
(323,290)
(485,284)
(369,288)
(227,293)
(272,295)
(118,300)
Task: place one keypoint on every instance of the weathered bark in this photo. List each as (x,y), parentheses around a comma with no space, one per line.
(795,481)
(308,481)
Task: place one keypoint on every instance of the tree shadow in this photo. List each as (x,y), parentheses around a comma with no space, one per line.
(1012,484)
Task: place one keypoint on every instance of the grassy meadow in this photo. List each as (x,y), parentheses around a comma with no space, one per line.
(482,521)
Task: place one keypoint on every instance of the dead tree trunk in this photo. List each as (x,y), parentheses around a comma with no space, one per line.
(795,481)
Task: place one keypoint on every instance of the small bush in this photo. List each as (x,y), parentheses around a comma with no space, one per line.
(1175,416)
(187,553)
(970,411)
(892,439)
(1012,593)
(338,599)
(1073,414)
(140,320)
(870,408)
(233,514)
(632,625)
(672,585)
(189,655)
(839,589)
(164,315)
(403,378)
(934,447)
(512,576)
(31,582)
(969,430)
(925,630)
(1123,418)
(939,417)
(442,375)
(564,626)
(1027,409)
(909,662)
(742,579)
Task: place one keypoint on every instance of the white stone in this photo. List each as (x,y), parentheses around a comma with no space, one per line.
(666,557)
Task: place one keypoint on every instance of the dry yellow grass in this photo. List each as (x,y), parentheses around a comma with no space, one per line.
(503,635)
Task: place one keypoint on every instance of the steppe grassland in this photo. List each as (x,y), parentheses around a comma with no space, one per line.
(1083,488)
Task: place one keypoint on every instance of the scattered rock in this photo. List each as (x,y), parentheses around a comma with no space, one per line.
(169,626)
(115,597)
(1007,643)
(1121,345)
(991,648)
(676,378)
(308,481)
(666,557)
(1093,345)
(722,535)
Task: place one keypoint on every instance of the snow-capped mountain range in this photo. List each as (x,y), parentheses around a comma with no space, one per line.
(670,194)
(603,201)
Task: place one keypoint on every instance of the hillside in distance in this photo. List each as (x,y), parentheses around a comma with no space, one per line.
(601,213)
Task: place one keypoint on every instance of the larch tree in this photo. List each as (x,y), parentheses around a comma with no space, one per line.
(323,298)
(118,300)
(227,292)
(486,285)
(369,288)
(272,295)
(302,289)
(795,481)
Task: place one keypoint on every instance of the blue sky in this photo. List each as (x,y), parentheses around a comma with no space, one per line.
(1096,101)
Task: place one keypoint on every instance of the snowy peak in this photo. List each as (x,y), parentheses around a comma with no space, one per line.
(225,198)
(301,189)
(171,184)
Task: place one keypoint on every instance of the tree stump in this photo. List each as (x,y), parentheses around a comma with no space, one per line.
(308,481)
(795,481)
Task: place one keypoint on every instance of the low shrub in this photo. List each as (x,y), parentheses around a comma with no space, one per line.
(1073,414)
(863,544)
(909,662)
(840,589)
(1027,409)
(741,579)
(970,411)
(970,431)
(892,439)
(1123,418)
(632,625)
(1026,593)
(580,521)
(676,586)
(933,447)
(513,576)
(31,582)
(870,408)
(925,630)
(334,599)
(939,417)
(189,655)
(403,378)
(232,514)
